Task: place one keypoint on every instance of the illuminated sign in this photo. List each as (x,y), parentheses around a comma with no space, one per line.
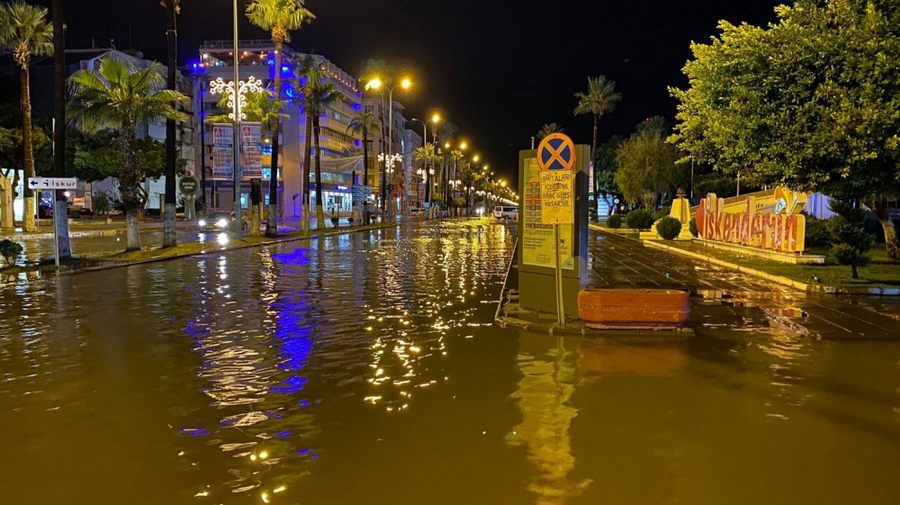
(766,220)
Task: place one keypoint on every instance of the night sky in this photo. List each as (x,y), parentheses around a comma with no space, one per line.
(498,70)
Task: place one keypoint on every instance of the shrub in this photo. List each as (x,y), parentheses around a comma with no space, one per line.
(693,227)
(100,203)
(614,221)
(663,212)
(851,241)
(639,219)
(668,228)
(10,250)
(817,234)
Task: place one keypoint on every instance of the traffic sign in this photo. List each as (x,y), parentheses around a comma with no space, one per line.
(556,152)
(188,185)
(42,183)
(557,202)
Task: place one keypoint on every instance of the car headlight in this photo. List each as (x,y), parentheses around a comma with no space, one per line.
(202,223)
(222,223)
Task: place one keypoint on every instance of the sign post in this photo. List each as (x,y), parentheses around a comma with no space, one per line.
(556,157)
(53,183)
(188,185)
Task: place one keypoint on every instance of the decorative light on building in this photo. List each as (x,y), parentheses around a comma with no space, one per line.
(220,87)
(389,161)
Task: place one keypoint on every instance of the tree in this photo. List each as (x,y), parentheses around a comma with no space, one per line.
(361,124)
(850,240)
(25,32)
(548,129)
(280,18)
(646,163)
(600,99)
(119,98)
(60,210)
(305,66)
(320,93)
(810,102)
(173,8)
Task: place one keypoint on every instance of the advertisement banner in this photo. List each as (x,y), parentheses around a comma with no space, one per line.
(222,152)
(251,150)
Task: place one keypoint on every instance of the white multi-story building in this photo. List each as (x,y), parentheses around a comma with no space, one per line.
(340,149)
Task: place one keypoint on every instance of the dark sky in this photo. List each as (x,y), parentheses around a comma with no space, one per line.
(498,70)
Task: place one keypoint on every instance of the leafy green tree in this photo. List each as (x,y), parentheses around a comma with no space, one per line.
(646,163)
(810,101)
(600,99)
(362,124)
(280,18)
(850,240)
(25,32)
(118,98)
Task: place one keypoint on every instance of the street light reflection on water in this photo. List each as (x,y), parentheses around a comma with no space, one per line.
(330,370)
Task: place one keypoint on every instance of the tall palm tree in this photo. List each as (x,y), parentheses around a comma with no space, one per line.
(548,129)
(119,98)
(280,18)
(306,65)
(361,124)
(25,32)
(173,8)
(601,98)
(321,93)
(60,221)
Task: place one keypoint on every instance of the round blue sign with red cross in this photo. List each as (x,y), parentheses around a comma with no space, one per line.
(556,152)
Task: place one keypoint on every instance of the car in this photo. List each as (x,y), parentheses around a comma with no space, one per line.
(217,222)
(502,212)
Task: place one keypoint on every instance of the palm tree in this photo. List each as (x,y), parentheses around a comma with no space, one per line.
(320,94)
(280,18)
(548,129)
(61,223)
(119,98)
(361,124)
(601,97)
(306,65)
(25,32)
(173,8)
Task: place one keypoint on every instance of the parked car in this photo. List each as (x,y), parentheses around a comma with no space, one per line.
(502,213)
(218,222)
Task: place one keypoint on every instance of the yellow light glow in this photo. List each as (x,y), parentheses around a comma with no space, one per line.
(263,455)
(279,489)
(503,183)
(476,158)
(406,83)
(463,145)
(374,83)
(265,497)
(435,118)
(446,145)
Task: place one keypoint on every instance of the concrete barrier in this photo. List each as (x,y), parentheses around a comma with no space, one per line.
(639,309)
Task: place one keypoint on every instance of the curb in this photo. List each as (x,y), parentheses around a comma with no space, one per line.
(784,281)
(112,263)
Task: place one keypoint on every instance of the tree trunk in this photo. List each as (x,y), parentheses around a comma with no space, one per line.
(855,270)
(7,221)
(169,236)
(129,189)
(320,209)
(882,211)
(28,145)
(60,210)
(307,218)
(132,231)
(594,155)
(255,205)
(271,215)
(365,134)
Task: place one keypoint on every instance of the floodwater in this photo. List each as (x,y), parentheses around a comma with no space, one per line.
(365,368)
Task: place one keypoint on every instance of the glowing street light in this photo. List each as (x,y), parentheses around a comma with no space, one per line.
(435,118)
(463,145)
(476,158)
(374,83)
(406,83)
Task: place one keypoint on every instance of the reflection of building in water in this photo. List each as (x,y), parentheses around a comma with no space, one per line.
(543,393)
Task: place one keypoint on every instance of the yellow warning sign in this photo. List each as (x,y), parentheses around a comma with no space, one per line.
(557,205)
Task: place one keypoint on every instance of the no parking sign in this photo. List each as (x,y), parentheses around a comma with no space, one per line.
(556,157)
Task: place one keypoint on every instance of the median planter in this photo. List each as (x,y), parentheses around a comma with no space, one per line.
(638,309)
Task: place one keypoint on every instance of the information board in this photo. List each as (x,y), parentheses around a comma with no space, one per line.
(222,152)
(251,150)
(537,237)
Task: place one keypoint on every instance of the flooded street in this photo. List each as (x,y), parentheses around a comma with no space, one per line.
(366,368)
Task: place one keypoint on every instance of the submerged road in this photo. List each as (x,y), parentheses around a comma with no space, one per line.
(365,368)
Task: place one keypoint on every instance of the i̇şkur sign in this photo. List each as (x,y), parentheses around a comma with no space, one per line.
(766,220)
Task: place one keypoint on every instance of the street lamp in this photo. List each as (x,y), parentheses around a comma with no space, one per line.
(475,158)
(238,225)
(424,172)
(377,84)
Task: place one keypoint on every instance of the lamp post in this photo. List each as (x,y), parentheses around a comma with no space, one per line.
(377,84)
(238,224)
(425,171)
